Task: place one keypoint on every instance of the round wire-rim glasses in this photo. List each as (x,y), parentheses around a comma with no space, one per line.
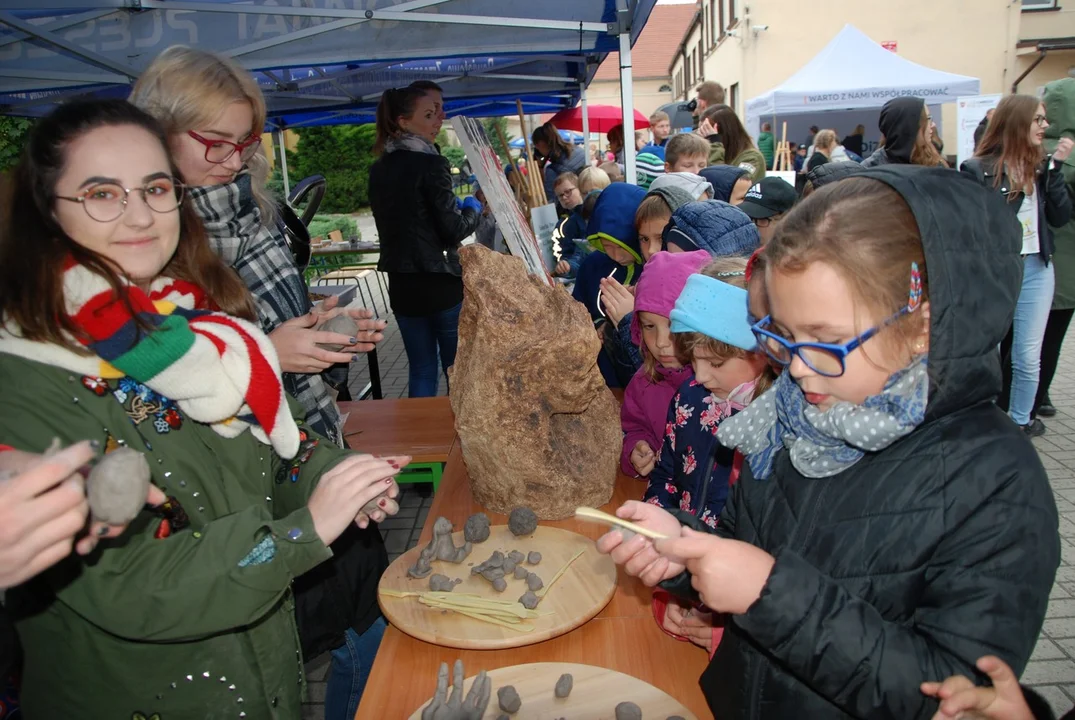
(219,151)
(107,201)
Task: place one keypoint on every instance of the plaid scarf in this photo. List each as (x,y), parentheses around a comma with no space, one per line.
(260,255)
(412,142)
(220,370)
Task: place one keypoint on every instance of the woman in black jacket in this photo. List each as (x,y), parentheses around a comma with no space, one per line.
(890,524)
(907,128)
(421,225)
(1011,161)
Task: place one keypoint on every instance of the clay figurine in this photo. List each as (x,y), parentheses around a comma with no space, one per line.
(117,485)
(443,547)
(509,699)
(533,557)
(522,521)
(529,600)
(564,685)
(521,572)
(516,557)
(442,707)
(442,583)
(422,566)
(628,711)
(493,571)
(342,324)
(534,582)
(476,529)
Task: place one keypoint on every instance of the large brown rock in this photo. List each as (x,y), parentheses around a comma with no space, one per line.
(538,425)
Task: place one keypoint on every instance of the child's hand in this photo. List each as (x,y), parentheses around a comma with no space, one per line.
(636,553)
(562,268)
(960,698)
(728,574)
(695,626)
(642,458)
(617,300)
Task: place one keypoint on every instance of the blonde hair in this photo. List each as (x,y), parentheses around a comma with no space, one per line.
(825,139)
(593,178)
(186,88)
(612,171)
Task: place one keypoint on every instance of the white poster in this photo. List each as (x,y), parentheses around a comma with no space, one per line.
(969,112)
(510,220)
(545,220)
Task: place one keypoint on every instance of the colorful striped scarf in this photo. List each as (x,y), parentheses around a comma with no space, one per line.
(220,370)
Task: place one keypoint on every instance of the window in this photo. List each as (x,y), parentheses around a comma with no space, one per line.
(707,37)
(720,3)
(701,59)
(665,88)
(733,97)
(1039,4)
(732,18)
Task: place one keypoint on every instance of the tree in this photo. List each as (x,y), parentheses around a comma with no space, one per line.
(456,156)
(343,154)
(13,132)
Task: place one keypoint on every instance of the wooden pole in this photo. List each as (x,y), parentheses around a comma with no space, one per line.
(536,183)
(511,159)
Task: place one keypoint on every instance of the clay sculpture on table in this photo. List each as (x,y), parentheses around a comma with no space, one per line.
(529,600)
(522,521)
(440,547)
(117,485)
(534,582)
(521,572)
(536,423)
(442,583)
(564,685)
(493,571)
(533,557)
(628,711)
(342,324)
(443,707)
(423,565)
(509,699)
(476,529)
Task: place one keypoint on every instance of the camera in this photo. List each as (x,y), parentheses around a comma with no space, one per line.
(692,105)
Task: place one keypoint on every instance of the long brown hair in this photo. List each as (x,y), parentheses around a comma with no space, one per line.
(33,245)
(550,135)
(1007,139)
(925,152)
(396,103)
(731,130)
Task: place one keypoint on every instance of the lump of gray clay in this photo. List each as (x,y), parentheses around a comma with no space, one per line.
(529,600)
(476,529)
(423,565)
(516,557)
(521,572)
(628,711)
(509,699)
(117,486)
(534,582)
(509,566)
(342,324)
(441,583)
(522,521)
(564,685)
(533,557)
(500,584)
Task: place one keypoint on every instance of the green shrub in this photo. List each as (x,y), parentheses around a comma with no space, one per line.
(322,225)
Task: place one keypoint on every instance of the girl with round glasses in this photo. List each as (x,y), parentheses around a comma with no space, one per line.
(890,524)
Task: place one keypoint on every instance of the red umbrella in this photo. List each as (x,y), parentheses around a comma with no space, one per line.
(602,118)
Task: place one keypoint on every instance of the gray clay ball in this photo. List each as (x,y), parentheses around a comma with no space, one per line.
(521,572)
(441,583)
(533,557)
(529,600)
(342,324)
(628,711)
(534,582)
(509,699)
(476,529)
(117,486)
(500,584)
(564,685)
(522,521)
(516,557)
(509,566)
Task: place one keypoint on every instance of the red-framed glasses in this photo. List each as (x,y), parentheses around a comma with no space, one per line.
(219,151)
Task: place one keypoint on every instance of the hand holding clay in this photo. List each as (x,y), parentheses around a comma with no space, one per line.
(367,331)
(728,574)
(562,268)
(341,492)
(616,299)
(695,626)
(637,554)
(643,459)
(961,698)
(296,345)
(456,707)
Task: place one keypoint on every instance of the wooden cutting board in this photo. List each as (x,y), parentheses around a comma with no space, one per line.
(594,696)
(582,592)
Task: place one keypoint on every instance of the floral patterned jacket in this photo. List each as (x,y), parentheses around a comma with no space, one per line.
(679,481)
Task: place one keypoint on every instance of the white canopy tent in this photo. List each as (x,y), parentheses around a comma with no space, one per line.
(853,73)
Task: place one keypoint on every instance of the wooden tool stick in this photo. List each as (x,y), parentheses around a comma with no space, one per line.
(594,515)
(511,159)
(536,182)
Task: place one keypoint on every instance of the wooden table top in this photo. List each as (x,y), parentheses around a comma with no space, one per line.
(623,637)
(423,428)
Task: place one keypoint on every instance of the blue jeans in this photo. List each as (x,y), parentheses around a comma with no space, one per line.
(423,337)
(351,664)
(1028,331)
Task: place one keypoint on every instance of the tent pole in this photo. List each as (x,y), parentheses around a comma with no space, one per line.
(585,123)
(278,139)
(627,103)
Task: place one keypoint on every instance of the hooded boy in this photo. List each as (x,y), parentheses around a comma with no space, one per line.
(730,182)
(611,230)
(900,123)
(714,226)
(646,401)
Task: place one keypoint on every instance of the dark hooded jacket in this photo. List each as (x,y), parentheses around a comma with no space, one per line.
(723,179)
(922,557)
(831,172)
(899,123)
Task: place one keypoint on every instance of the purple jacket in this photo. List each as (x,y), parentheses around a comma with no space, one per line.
(645,402)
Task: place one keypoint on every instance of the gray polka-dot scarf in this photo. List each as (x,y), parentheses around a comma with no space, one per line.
(826,443)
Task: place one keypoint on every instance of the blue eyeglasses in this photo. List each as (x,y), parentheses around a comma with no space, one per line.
(823,358)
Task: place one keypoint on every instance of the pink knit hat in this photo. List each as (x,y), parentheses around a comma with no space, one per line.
(661,283)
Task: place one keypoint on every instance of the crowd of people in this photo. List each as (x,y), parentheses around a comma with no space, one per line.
(853,524)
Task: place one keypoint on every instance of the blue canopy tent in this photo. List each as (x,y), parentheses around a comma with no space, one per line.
(325,60)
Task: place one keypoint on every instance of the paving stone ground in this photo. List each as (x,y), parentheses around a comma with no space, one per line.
(1051,671)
